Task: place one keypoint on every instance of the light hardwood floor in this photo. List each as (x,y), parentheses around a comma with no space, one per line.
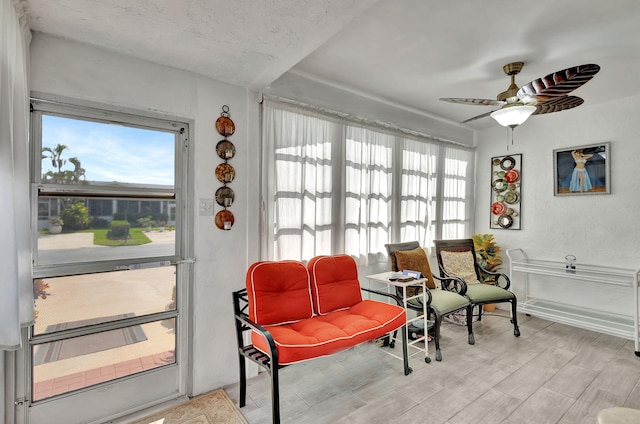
(553,373)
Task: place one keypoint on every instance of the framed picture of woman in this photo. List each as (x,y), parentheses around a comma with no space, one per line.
(582,170)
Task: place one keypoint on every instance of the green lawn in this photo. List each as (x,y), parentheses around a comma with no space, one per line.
(136,237)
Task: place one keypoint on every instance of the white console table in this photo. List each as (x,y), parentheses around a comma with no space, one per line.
(622,324)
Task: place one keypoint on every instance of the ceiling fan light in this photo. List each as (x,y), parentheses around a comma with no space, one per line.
(512,116)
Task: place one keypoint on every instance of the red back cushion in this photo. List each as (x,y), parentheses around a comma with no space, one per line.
(279,292)
(334,283)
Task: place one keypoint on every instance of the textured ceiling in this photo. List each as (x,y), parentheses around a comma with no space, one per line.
(247,43)
(406,52)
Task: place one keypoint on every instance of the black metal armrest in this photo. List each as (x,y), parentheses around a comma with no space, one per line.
(501,280)
(243,323)
(453,284)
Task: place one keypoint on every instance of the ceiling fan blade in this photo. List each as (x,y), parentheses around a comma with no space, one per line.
(484,115)
(480,102)
(558,104)
(558,83)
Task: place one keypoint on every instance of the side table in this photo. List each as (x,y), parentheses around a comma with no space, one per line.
(384,278)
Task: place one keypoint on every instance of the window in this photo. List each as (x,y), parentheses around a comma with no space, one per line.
(106,283)
(333,186)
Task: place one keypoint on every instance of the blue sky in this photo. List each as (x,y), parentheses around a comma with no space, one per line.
(112,152)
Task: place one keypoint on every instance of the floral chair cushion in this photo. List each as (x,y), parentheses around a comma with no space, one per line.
(460,264)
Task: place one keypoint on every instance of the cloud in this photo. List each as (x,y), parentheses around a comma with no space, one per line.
(113,152)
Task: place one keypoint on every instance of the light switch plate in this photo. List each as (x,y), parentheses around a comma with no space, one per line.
(205,207)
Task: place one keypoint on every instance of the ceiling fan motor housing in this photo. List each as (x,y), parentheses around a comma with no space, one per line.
(511,69)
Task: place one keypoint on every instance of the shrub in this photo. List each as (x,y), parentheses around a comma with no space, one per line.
(75,216)
(134,217)
(100,223)
(146,221)
(119,230)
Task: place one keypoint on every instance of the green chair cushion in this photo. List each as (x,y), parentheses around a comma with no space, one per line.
(445,301)
(442,301)
(479,293)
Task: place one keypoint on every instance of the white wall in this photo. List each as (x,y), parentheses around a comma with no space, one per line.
(73,70)
(297,87)
(598,229)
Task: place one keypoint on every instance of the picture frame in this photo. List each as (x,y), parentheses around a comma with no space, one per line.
(506,195)
(582,170)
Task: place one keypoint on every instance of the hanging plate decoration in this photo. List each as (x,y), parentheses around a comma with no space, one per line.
(224,124)
(511,197)
(498,208)
(224,219)
(225,196)
(512,175)
(507,163)
(225,149)
(225,173)
(499,185)
(505,221)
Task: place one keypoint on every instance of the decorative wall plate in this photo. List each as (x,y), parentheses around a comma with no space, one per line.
(498,208)
(499,185)
(512,175)
(225,173)
(225,196)
(507,163)
(225,126)
(225,149)
(224,219)
(505,221)
(511,197)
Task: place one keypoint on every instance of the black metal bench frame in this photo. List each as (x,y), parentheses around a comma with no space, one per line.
(270,361)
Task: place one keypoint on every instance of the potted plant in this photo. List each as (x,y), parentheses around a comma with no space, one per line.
(55,225)
(488,256)
(146,222)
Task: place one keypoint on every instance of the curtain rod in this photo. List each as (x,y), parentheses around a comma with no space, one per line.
(361,120)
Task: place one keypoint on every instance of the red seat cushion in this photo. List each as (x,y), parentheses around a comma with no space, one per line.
(279,292)
(327,334)
(334,283)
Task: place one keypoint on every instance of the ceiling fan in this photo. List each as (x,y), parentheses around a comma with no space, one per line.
(543,95)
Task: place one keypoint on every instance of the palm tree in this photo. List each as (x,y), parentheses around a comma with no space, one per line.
(78,171)
(56,156)
(57,161)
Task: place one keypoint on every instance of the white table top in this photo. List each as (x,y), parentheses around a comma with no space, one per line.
(383,277)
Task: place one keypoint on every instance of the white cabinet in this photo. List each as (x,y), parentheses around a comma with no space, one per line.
(618,317)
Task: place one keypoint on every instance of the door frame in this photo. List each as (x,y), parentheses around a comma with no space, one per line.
(124,394)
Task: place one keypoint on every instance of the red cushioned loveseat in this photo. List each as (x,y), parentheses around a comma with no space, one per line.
(297,312)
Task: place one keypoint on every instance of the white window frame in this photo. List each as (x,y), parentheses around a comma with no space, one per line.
(461,220)
(182,192)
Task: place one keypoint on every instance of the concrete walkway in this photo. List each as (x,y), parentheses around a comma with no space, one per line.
(73,298)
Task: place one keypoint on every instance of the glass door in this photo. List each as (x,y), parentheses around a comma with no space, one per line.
(110,263)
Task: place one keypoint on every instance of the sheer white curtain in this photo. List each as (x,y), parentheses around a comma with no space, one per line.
(299,197)
(456,192)
(16,298)
(418,215)
(331,185)
(368,194)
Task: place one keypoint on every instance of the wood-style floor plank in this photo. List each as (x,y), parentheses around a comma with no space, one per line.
(553,374)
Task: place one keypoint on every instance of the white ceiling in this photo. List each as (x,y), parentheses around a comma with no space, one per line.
(407,52)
